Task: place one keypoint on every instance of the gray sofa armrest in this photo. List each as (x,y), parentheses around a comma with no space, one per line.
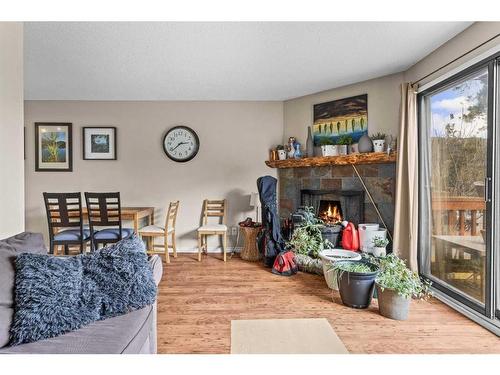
(157,267)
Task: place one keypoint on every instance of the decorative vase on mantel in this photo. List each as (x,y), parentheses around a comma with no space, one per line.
(365,144)
(297,154)
(309,143)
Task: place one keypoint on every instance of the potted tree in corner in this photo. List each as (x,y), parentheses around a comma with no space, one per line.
(396,285)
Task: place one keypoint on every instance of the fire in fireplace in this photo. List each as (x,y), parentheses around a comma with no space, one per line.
(330,211)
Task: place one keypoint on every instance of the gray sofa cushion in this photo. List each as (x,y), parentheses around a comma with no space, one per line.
(9,249)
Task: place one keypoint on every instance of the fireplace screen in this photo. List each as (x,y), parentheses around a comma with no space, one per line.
(330,211)
(333,206)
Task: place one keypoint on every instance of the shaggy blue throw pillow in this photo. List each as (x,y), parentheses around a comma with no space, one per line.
(55,295)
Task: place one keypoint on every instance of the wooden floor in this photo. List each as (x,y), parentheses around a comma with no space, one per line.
(197,302)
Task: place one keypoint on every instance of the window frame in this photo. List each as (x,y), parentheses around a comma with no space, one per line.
(487,310)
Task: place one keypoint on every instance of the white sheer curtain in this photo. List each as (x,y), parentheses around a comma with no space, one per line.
(406,210)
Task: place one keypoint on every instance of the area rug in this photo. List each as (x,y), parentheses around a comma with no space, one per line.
(285,336)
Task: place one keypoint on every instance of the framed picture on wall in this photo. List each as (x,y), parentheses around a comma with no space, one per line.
(99,143)
(341,118)
(53,147)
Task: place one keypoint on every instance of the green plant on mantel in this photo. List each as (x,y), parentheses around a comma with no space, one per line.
(378,136)
(325,141)
(344,140)
(280,147)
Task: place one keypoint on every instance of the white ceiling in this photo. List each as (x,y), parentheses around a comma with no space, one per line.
(218,60)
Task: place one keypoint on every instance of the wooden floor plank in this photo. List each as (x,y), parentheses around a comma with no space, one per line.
(197,302)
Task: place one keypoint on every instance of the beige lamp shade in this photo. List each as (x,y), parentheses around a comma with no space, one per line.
(254,200)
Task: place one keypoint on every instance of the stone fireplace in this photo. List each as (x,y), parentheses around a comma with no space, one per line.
(311,185)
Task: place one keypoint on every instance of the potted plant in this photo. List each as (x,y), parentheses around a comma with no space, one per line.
(307,242)
(379,245)
(343,142)
(356,282)
(378,142)
(327,147)
(396,284)
(281,152)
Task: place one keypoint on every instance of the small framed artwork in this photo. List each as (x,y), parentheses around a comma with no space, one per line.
(53,147)
(99,143)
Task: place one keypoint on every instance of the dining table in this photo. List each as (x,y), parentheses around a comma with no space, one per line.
(134,214)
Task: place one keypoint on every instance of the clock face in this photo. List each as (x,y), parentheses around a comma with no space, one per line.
(181,143)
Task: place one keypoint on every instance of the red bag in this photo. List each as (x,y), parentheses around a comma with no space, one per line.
(284,264)
(350,238)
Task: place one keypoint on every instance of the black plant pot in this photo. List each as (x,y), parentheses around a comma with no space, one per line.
(332,233)
(356,289)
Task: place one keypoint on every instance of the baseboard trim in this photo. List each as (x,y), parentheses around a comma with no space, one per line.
(211,250)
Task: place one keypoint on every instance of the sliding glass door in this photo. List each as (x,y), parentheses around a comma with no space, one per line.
(457,148)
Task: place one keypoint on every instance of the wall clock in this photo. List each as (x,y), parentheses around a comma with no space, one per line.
(181,143)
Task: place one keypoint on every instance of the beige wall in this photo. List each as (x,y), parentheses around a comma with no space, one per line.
(11,129)
(235,138)
(383,106)
(474,35)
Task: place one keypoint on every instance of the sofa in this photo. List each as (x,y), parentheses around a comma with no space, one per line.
(132,333)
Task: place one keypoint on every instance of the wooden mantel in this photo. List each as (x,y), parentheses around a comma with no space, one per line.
(321,161)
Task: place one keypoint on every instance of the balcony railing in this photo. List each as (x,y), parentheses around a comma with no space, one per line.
(458,215)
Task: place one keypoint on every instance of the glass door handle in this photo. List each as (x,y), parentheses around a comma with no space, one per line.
(487,181)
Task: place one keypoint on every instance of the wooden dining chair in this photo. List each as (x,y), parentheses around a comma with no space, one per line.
(104,212)
(216,208)
(64,216)
(153,231)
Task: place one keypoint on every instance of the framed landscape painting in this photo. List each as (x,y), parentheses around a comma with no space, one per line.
(53,147)
(343,117)
(99,143)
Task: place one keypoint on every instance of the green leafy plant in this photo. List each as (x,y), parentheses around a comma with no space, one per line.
(378,136)
(338,268)
(395,275)
(344,140)
(379,241)
(325,141)
(280,147)
(307,238)
(354,266)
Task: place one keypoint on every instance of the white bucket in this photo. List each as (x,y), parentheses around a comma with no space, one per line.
(365,243)
(330,256)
